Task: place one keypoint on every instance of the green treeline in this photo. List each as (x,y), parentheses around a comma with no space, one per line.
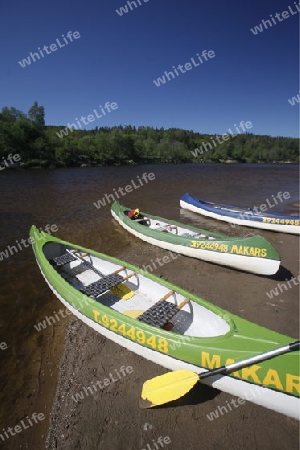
(40,146)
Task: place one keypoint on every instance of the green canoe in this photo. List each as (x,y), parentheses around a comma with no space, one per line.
(252,254)
(166,324)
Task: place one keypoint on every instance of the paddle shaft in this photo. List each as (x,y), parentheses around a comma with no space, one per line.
(249,361)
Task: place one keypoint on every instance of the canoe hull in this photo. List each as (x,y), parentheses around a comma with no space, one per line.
(182,347)
(192,248)
(263,222)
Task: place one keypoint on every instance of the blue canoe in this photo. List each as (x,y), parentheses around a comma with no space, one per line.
(242,216)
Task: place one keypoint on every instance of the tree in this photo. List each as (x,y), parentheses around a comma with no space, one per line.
(28,136)
(37,114)
(11,114)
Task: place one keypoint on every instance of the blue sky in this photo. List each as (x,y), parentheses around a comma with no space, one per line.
(117,58)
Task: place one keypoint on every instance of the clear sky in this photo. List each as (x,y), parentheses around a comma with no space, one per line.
(117,57)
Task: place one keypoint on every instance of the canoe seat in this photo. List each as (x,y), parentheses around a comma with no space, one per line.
(104,284)
(63,259)
(78,270)
(159,314)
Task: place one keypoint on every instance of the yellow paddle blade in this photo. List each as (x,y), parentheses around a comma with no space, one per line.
(133,313)
(122,291)
(167,387)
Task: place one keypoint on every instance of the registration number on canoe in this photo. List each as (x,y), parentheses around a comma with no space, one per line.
(281,221)
(210,246)
(132,333)
(238,249)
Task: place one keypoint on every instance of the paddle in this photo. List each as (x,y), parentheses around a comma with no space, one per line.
(173,385)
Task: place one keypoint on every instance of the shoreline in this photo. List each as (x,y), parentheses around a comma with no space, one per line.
(39,358)
(53,166)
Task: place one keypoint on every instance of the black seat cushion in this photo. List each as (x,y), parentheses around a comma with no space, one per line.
(63,259)
(102,285)
(159,313)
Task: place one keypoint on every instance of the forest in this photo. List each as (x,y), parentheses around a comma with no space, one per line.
(39,145)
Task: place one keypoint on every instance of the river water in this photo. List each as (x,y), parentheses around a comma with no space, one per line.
(66,198)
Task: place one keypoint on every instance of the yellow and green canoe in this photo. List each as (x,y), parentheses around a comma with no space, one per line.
(166,324)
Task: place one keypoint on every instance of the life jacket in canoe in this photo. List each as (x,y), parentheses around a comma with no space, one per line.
(133,213)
